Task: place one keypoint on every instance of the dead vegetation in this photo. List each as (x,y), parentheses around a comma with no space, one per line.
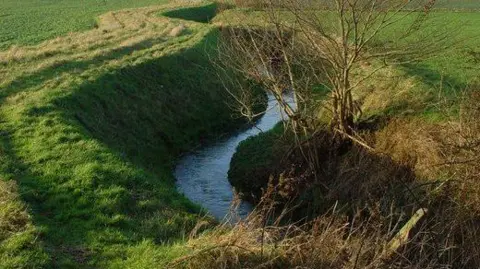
(404,190)
(413,203)
(13,216)
(17,232)
(332,240)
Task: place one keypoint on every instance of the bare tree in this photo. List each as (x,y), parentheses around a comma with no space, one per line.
(316,49)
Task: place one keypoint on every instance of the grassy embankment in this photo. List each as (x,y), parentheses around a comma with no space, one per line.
(412,91)
(91,124)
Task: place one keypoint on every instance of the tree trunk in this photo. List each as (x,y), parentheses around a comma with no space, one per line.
(343,112)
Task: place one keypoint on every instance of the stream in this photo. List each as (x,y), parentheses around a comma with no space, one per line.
(202,175)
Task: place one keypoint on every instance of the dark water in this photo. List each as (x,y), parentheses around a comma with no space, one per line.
(202,175)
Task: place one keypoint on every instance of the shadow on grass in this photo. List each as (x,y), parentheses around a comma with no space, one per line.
(31,80)
(17,249)
(429,98)
(203,14)
(157,108)
(95,165)
(433,78)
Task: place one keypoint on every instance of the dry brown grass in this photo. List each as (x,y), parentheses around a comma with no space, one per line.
(21,245)
(445,156)
(460,147)
(332,240)
(447,151)
(13,216)
(443,239)
(411,142)
(415,164)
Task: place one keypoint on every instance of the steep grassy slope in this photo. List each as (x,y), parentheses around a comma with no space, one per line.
(91,124)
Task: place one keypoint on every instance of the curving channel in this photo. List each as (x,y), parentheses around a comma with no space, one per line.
(202,175)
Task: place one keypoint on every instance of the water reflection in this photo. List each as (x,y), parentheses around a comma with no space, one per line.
(202,175)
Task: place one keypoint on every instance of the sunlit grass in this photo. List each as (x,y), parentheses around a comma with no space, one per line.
(31,21)
(91,125)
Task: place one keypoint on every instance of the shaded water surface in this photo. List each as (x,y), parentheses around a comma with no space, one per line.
(202,175)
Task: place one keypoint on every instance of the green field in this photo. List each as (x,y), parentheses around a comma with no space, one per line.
(458,4)
(31,21)
(454,69)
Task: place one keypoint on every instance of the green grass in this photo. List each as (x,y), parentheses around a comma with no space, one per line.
(446,73)
(449,71)
(91,125)
(456,62)
(19,247)
(458,4)
(410,90)
(31,21)
(255,161)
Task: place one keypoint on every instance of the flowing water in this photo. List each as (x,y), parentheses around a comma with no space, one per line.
(202,175)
